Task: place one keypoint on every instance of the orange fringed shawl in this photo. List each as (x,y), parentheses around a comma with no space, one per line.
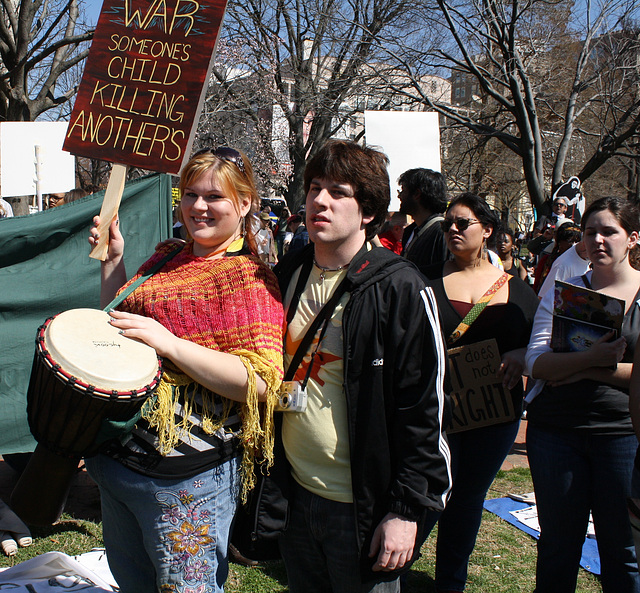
(232,305)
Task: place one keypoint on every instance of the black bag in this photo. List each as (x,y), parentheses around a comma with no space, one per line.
(259,523)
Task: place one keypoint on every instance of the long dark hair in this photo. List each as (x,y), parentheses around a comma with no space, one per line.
(624,211)
(480,209)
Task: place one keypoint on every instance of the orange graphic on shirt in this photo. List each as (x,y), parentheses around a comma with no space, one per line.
(321,359)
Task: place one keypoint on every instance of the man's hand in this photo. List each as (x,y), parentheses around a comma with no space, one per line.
(393,541)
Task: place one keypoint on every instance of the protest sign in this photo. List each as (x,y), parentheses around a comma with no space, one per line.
(142,90)
(478,396)
(144,82)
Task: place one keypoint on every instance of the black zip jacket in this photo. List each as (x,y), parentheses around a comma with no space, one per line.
(394,364)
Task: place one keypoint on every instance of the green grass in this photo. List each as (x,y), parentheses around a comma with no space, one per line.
(69,535)
(502,562)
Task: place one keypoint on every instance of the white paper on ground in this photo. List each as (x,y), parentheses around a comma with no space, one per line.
(529,517)
(52,571)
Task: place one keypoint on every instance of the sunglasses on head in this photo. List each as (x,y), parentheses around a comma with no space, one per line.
(226,154)
(462,224)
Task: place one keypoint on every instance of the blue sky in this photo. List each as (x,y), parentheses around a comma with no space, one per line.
(92,8)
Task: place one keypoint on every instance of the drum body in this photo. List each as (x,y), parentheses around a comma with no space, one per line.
(85,375)
(87,381)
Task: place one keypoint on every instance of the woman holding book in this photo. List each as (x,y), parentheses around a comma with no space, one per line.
(477,302)
(580,440)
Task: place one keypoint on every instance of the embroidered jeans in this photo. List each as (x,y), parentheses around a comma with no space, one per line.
(166,535)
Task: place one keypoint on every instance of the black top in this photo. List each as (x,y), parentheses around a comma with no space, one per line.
(509,323)
(429,247)
(392,357)
(586,404)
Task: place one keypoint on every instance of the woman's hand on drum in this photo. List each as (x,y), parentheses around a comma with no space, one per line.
(116,240)
(512,367)
(144,329)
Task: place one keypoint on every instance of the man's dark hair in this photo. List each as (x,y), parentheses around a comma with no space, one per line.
(364,168)
(430,185)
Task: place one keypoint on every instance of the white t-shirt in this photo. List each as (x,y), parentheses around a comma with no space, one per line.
(568,265)
(316,442)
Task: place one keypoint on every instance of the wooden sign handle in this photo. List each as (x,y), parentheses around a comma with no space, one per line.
(109,210)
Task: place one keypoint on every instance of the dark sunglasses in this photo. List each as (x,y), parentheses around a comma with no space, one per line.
(462,224)
(226,154)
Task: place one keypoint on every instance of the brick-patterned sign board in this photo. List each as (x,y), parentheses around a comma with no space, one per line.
(144,82)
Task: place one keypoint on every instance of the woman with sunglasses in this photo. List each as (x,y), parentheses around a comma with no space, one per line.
(476,454)
(580,440)
(213,313)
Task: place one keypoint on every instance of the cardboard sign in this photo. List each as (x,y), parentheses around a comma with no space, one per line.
(478,396)
(144,82)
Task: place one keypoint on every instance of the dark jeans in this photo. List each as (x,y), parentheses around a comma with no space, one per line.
(320,549)
(574,473)
(476,457)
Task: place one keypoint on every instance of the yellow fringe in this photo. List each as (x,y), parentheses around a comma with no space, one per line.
(257,434)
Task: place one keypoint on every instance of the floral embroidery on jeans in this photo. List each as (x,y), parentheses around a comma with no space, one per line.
(188,540)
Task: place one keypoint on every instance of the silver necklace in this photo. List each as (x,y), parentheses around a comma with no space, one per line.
(324,270)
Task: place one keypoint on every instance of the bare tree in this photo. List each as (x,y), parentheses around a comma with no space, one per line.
(41,43)
(544,81)
(308,59)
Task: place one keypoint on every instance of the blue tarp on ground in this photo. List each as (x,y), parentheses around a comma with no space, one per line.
(502,507)
(45,269)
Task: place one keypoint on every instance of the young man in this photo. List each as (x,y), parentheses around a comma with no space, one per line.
(423,196)
(368,456)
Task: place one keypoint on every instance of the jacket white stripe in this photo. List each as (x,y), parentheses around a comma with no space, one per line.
(431,309)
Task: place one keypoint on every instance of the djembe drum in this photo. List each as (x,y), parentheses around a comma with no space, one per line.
(88,384)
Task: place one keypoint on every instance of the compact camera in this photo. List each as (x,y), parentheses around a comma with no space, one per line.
(292,397)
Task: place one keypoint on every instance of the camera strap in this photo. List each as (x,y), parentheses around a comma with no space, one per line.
(323,316)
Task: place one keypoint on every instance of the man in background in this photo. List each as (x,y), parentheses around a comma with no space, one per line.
(423,196)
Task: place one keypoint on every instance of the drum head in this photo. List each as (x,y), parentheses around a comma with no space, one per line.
(87,346)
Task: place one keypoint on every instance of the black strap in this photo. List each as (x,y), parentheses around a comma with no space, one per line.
(150,272)
(305,271)
(324,315)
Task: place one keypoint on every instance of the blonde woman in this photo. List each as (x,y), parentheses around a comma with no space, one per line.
(213,313)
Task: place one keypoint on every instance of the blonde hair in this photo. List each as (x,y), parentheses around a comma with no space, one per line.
(235,184)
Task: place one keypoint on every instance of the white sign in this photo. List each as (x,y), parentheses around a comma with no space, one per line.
(18,141)
(411,139)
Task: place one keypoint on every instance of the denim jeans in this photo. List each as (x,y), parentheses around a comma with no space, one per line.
(320,549)
(476,457)
(574,473)
(166,534)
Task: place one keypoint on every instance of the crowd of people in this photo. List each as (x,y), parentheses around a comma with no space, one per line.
(365,468)
(351,312)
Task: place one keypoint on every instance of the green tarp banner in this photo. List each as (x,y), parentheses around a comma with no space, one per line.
(45,269)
